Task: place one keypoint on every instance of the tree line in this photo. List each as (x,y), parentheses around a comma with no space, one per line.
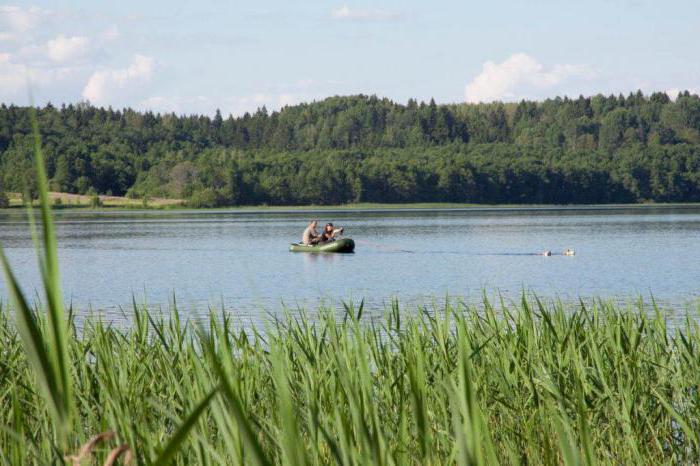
(599,149)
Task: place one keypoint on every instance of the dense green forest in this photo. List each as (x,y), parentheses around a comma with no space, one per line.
(598,149)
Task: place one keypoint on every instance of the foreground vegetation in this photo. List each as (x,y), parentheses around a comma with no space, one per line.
(599,149)
(522,384)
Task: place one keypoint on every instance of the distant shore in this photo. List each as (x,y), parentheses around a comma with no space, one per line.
(82,201)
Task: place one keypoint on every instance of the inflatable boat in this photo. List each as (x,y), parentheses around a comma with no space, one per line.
(339,245)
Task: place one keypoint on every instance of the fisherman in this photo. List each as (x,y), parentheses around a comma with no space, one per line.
(310,235)
(329,233)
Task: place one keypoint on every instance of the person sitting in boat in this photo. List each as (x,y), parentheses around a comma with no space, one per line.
(310,235)
(329,233)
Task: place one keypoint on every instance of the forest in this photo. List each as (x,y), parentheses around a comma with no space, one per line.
(599,149)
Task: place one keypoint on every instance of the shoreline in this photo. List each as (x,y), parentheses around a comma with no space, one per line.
(114,203)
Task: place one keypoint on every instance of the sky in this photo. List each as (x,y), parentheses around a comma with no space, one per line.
(196,57)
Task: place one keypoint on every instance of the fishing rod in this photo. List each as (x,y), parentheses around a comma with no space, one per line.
(382,247)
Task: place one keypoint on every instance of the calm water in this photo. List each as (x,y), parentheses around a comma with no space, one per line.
(240,259)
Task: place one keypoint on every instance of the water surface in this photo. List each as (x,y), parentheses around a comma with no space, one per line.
(239,259)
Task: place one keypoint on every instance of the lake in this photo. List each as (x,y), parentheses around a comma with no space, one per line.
(240,258)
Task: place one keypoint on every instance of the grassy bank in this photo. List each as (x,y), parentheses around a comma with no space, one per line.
(527,384)
(79,201)
(76,201)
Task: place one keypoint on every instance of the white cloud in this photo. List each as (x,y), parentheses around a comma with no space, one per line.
(17,79)
(181,105)
(111,33)
(234,105)
(346,13)
(19,19)
(13,77)
(105,85)
(7,36)
(63,55)
(521,76)
(62,48)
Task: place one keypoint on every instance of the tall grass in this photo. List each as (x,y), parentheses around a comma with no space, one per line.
(527,383)
(457,385)
(47,350)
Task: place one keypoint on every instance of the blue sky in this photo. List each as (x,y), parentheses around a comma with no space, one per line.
(194,57)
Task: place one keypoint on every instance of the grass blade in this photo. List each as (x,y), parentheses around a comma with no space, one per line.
(180,436)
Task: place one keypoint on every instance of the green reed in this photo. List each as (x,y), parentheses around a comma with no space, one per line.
(456,384)
(459,384)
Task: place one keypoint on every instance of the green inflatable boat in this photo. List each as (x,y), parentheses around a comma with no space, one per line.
(339,245)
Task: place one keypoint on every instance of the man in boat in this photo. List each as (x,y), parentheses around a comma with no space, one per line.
(310,235)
